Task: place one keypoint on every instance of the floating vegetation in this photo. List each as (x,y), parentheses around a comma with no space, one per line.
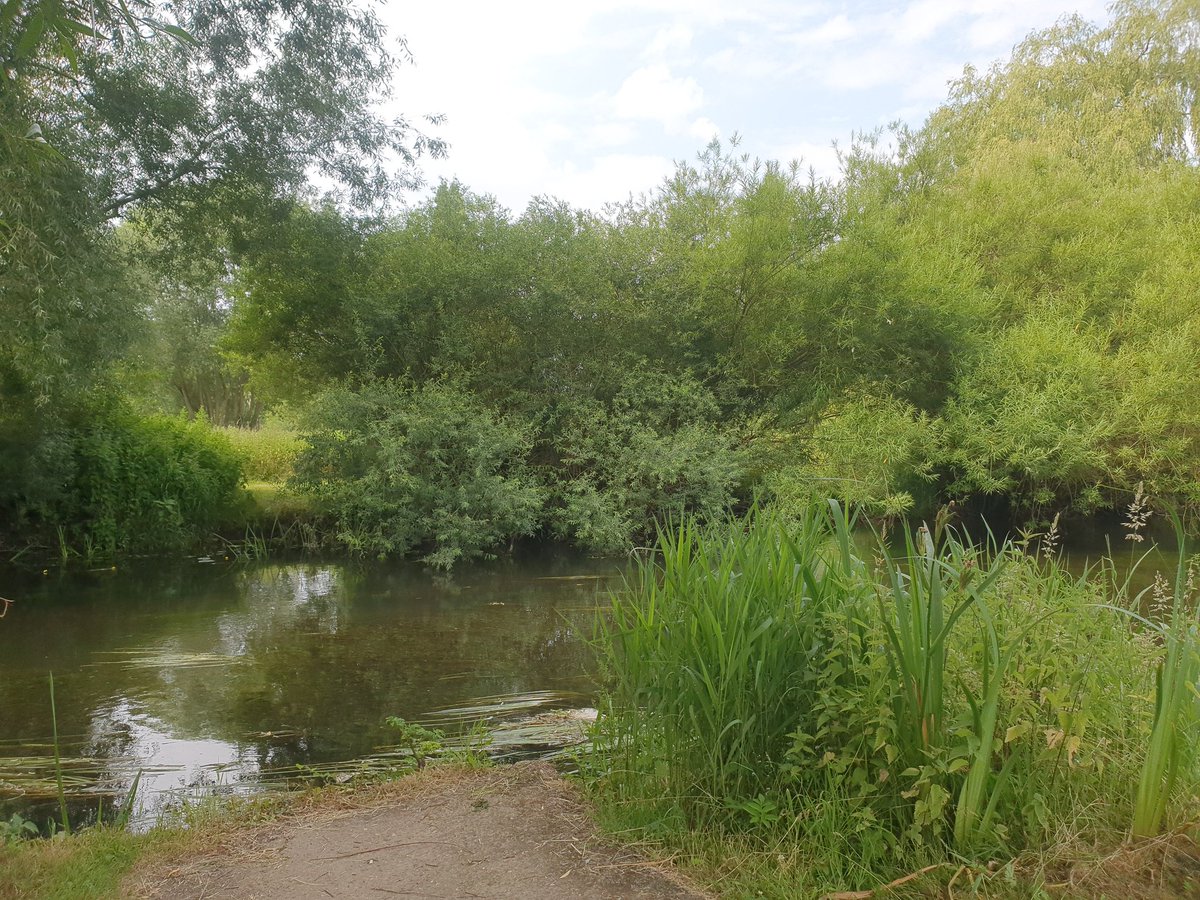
(488,710)
(277,734)
(166,659)
(34,777)
(544,736)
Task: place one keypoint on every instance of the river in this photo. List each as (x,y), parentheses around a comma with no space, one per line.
(223,677)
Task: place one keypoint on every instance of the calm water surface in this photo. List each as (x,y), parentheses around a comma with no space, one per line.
(221,677)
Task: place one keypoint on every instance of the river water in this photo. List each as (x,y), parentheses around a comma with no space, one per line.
(221,677)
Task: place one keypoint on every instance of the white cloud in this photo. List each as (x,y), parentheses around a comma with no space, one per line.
(932,83)
(570,98)
(704,129)
(869,68)
(653,93)
(839,28)
(610,178)
(610,134)
(924,18)
(669,42)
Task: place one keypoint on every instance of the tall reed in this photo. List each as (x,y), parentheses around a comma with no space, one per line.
(708,643)
(942,696)
(62,796)
(936,582)
(1173,735)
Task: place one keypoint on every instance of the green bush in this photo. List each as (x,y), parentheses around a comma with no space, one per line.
(101,479)
(401,469)
(650,455)
(268,453)
(871,452)
(148,482)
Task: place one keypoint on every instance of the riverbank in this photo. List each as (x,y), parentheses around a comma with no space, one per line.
(797,714)
(447,831)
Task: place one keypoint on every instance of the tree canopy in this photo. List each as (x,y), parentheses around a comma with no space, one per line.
(998,307)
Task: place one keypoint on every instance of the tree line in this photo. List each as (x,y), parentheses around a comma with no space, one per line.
(1000,306)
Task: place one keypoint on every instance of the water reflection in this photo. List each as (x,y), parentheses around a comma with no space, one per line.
(167,768)
(210,677)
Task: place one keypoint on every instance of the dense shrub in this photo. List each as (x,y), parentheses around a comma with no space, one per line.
(872,452)
(150,483)
(650,455)
(398,469)
(122,482)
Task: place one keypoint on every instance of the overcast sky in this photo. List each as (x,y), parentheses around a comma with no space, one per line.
(591,100)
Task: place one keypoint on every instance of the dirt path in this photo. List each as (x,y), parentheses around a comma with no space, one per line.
(509,832)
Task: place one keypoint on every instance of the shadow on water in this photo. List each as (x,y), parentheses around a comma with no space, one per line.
(221,678)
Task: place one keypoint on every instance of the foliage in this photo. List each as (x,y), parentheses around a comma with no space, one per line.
(1172,751)
(16,829)
(302,329)
(157,113)
(127,483)
(399,468)
(268,453)
(873,453)
(649,456)
(205,112)
(179,360)
(149,483)
(1001,307)
(419,741)
(779,680)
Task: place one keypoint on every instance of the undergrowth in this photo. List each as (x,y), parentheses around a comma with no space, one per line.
(796,713)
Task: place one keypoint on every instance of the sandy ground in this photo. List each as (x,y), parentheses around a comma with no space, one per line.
(509,832)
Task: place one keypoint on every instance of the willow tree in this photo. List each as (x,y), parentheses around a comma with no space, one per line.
(1067,179)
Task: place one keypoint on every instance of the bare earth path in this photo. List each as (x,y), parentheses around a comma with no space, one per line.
(509,832)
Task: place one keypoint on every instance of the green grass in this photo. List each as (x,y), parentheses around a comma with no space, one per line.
(84,866)
(797,713)
(267,454)
(275,501)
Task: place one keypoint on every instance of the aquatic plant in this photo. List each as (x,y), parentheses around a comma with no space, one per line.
(1176,701)
(420,742)
(62,796)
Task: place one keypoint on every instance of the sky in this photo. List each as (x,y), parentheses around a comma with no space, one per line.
(591,101)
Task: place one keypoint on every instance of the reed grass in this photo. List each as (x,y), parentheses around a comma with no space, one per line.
(1176,701)
(58,776)
(795,684)
(724,620)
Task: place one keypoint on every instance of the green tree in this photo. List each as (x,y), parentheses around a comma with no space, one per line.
(211,115)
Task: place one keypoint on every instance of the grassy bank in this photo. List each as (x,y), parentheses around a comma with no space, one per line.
(794,714)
